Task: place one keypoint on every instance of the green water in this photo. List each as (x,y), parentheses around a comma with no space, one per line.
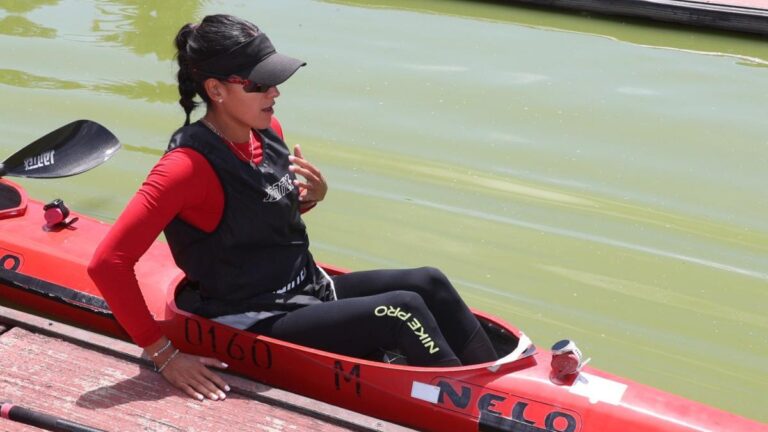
(595,179)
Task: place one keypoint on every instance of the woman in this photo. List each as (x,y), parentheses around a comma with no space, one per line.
(227,195)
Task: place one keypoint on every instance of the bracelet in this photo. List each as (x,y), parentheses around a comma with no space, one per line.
(165,363)
(160,351)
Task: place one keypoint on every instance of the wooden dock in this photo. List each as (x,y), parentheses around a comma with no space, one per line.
(746,16)
(104,383)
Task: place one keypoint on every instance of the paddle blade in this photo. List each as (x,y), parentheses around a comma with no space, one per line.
(69,150)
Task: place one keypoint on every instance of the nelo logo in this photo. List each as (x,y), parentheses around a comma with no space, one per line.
(504,412)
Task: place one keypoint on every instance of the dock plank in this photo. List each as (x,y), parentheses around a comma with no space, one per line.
(62,379)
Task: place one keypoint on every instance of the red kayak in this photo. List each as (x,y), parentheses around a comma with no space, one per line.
(45,248)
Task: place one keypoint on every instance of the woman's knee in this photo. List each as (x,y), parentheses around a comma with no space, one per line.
(403,299)
(435,277)
(433,284)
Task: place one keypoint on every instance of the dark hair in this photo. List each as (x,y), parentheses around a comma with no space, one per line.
(196,43)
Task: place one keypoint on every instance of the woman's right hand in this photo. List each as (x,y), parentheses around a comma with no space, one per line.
(190,374)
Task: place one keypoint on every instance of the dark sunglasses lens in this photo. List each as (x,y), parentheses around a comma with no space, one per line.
(252,87)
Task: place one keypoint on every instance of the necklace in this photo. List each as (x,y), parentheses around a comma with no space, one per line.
(231,144)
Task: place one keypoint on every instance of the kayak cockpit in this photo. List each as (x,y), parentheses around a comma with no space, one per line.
(510,344)
(13,199)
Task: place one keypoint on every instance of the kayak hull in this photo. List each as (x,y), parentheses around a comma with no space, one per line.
(43,270)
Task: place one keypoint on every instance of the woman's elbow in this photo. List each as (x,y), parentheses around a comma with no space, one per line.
(103,267)
(97,267)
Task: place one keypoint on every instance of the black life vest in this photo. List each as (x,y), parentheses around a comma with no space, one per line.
(259,252)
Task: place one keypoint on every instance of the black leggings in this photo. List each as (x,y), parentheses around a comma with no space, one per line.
(416,311)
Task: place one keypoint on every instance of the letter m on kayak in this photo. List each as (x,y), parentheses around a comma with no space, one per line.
(341,376)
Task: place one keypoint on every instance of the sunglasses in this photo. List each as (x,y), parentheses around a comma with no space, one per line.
(248,85)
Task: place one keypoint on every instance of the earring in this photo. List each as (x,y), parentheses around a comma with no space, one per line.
(220,100)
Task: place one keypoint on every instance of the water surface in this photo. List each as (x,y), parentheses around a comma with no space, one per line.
(595,179)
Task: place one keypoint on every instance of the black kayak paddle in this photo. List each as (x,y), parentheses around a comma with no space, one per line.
(71,149)
(42,420)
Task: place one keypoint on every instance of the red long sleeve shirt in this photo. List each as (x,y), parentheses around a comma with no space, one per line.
(182,184)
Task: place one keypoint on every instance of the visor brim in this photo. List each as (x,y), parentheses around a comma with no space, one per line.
(275,69)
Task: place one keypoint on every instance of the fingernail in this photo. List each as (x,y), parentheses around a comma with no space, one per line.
(291,158)
(226,387)
(222,395)
(213,396)
(199,397)
(224,365)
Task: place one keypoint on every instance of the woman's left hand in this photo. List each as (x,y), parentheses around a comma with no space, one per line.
(314,187)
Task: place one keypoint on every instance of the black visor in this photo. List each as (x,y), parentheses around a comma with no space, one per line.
(256,60)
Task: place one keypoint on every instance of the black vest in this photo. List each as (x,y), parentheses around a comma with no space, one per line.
(260,246)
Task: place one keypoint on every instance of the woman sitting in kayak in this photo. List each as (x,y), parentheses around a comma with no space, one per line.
(227,196)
